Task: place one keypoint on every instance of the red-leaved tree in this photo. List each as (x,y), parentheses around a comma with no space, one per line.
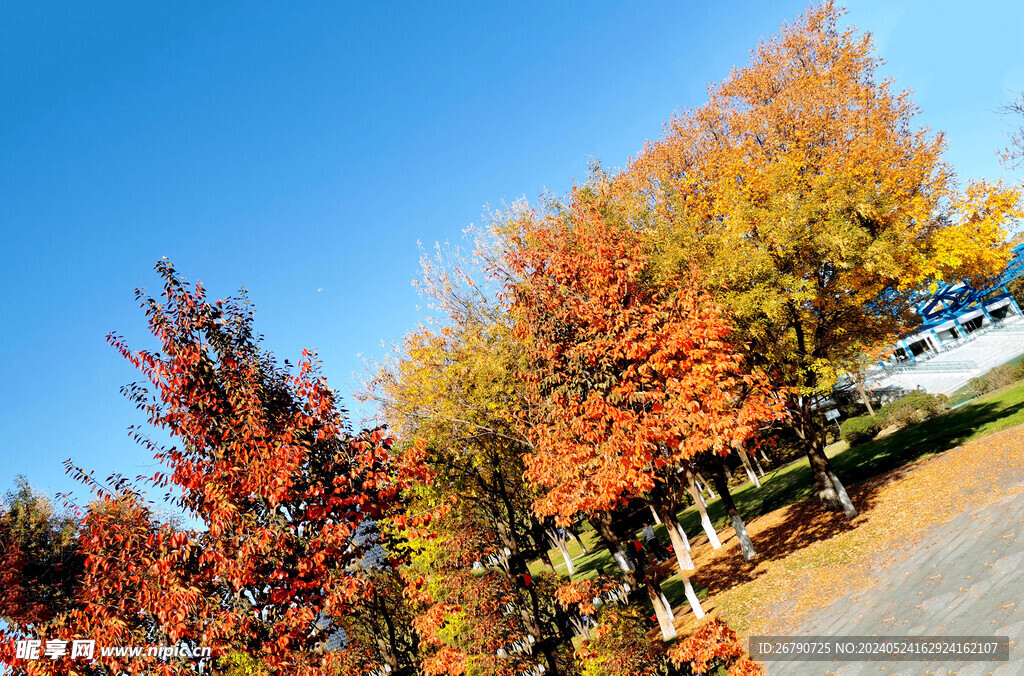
(288,501)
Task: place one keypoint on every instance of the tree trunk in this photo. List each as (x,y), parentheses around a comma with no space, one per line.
(679,545)
(698,495)
(551,656)
(668,611)
(530,614)
(386,648)
(544,542)
(570,569)
(691,598)
(516,564)
(654,512)
(760,469)
(556,540)
(705,522)
(721,483)
(864,397)
(682,535)
(745,459)
(662,611)
(602,523)
(582,626)
(572,533)
(705,485)
(831,492)
(564,623)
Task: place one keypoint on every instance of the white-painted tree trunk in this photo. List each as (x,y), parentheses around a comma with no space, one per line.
(746,466)
(664,615)
(581,625)
(691,598)
(556,540)
(682,534)
(578,540)
(705,522)
(623,562)
(569,568)
(693,488)
(844,497)
(701,486)
(760,469)
(706,485)
(680,547)
(709,529)
(654,512)
(746,546)
(699,498)
(668,607)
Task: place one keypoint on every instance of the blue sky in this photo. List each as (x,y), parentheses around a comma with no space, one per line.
(291,147)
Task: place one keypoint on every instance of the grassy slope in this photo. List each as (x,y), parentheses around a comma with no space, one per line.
(793,482)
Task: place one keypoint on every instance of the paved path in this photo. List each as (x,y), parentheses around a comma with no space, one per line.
(965,577)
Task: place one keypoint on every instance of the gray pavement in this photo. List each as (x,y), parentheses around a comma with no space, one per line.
(965,577)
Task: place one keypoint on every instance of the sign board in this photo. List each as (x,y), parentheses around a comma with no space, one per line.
(832,414)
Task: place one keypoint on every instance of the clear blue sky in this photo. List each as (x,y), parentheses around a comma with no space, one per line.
(290,147)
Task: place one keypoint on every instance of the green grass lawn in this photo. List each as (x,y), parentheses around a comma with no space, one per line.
(791,483)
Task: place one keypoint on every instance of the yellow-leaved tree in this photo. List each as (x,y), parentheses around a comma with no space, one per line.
(806,194)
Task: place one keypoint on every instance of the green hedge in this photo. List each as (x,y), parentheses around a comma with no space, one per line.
(856,431)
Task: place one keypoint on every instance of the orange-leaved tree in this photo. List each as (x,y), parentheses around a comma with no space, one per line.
(628,380)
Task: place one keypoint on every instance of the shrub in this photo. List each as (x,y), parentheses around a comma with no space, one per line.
(620,647)
(856,431)
(977,386)
(713,644)
(912,408)
(1000,376)
(903,415)
(1018,371)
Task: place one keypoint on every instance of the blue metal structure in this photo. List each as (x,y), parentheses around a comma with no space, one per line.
(953,300)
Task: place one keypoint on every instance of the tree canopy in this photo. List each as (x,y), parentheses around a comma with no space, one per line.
(814,206)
